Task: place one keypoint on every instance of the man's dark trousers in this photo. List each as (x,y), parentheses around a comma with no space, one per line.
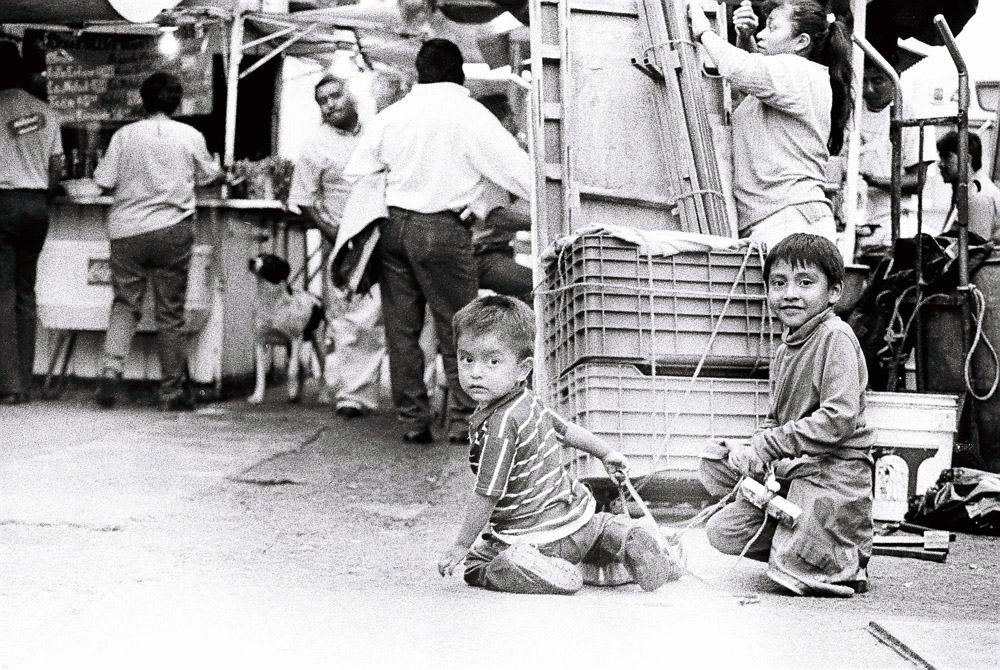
(426,262)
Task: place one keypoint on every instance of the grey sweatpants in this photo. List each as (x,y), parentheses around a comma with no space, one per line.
(832,538)
(600,541)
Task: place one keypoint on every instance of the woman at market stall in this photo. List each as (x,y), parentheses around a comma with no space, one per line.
(797,78)
(152,167)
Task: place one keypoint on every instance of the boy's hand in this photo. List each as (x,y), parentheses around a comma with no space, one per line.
(454,556)
(745,21)
(616,464)
(744,458)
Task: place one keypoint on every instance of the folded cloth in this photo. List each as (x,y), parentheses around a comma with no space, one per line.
(649,242)
(351,267)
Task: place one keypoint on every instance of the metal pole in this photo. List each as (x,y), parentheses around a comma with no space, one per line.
(918,317)
(895,131)
(232,86)
(852,168)
(962,188)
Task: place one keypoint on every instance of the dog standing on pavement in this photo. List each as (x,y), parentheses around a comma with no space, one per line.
(285,315)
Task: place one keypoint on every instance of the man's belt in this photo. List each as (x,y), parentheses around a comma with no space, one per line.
(465,222)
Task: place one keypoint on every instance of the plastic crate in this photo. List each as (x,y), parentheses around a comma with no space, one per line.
(603,300)
(635,412)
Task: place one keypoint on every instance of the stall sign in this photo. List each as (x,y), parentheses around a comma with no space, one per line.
(97,77)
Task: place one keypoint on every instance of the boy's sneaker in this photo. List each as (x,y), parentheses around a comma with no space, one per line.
(782,578)
(521,568)
(802,587)
(107,388)
(650,566)
(860,581)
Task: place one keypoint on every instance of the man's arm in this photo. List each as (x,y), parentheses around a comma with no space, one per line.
(495,153)
(745,23)
(912,181)
(304,191)
(106,172)
(328,229)
(367,156)
(207,169)
(510,218)
(477,515)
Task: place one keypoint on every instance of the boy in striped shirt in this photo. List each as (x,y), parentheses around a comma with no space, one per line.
(528,524)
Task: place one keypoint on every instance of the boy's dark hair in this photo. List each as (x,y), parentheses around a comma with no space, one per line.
(803,249)
(439,60)
(509,319)
(161,92)
(948,144)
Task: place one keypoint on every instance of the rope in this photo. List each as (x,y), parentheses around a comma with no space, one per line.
(701,362)
(667,43)
(707,513)
(897,331)
(650,291)
(700,191)
(697,519)
(978,317)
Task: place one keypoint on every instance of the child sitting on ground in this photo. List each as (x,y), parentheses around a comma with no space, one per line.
(539,522)
(815,438)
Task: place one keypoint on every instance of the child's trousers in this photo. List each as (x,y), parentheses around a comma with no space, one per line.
(600,541)
(831,541)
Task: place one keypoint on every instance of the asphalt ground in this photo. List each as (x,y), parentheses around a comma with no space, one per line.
(247,537)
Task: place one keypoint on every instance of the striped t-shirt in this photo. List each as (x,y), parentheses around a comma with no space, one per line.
(516,454)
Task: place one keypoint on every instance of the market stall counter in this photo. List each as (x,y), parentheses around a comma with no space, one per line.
(74,291)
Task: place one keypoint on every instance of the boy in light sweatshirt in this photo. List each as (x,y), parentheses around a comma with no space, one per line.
(815,439)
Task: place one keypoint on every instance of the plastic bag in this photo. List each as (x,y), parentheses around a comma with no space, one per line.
(963,499)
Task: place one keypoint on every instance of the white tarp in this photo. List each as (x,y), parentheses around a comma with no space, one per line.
(71,11)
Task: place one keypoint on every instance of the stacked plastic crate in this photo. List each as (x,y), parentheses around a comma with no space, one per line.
(656,354)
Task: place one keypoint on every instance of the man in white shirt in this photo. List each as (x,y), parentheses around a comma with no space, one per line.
(984,196)
(437,145)
(875,162)
(320,190)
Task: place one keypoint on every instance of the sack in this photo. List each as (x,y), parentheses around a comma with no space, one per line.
(963,500)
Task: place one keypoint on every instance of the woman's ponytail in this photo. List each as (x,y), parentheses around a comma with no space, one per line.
(829,26)
(837,57)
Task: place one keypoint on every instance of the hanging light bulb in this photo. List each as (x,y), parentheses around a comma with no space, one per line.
(168,44)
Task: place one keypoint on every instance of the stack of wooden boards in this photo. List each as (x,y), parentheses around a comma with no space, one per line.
(907,540)
(628,127)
